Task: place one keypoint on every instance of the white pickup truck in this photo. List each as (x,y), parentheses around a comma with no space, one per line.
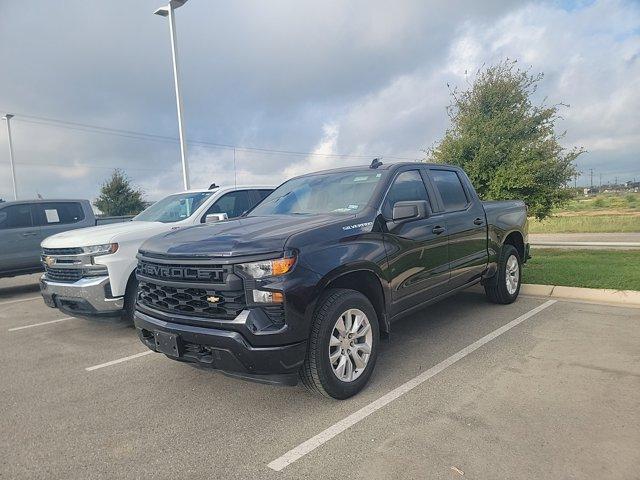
(91,271)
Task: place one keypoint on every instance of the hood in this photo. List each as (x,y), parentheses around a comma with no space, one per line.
(112,232)
(242,236)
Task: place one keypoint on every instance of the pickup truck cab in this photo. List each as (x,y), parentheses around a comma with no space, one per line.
(90,272)
(25,223)
(304,284)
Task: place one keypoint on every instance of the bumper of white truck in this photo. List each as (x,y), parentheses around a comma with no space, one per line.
(84,297)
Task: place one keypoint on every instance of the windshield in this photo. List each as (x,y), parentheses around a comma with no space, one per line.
(338,193)
(173,208)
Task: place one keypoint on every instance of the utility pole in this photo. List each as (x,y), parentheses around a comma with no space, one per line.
(169,11)
(8,118)
(591,174)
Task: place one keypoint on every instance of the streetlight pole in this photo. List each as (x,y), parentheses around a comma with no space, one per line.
(8,118)
(169,11)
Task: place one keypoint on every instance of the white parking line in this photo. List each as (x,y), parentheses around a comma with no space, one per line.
(120,360)
(14,329)
(7,302)
(337,428)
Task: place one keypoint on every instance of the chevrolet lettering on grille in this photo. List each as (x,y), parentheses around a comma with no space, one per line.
(179,273)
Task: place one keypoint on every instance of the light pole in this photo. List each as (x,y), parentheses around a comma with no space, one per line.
(8,118)
(169,11)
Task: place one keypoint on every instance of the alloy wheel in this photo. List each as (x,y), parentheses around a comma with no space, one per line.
(350,345)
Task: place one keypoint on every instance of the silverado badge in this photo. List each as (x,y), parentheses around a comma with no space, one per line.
(213,299)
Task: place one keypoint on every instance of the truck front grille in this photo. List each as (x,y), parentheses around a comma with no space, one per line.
(63,251)
(63,274)
(201,302)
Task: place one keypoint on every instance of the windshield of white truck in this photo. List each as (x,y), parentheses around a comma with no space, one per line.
(173,208)
(337,193)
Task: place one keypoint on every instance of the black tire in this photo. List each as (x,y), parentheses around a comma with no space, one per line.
(130,297)
(316,372)
(499,292)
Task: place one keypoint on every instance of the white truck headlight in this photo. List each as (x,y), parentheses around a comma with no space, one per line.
(104,249)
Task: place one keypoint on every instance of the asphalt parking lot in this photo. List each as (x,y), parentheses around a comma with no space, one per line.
(536,389)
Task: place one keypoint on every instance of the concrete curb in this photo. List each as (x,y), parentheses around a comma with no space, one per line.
(597,295)
(589,245)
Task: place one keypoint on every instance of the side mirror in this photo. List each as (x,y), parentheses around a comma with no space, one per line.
(215,217)
(411,210)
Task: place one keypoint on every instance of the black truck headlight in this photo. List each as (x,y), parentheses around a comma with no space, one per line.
(268,268)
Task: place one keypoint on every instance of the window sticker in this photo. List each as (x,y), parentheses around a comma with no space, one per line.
(52,215)
(361,179)
(353,207)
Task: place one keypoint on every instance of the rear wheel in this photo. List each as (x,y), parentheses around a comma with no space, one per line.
(509,276)
(343,346)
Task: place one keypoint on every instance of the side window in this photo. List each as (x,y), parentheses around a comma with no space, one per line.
(16,216)
(407,186)
(233,204)
(59,213)
(451,190)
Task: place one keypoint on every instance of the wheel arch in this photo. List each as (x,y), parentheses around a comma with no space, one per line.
(362,278)
(516,239)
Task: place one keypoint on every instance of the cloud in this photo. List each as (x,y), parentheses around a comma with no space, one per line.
(321,158)
(359,78)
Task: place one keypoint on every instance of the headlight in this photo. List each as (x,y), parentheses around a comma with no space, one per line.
(101,249)
(268,268)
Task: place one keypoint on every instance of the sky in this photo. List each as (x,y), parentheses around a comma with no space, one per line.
(336,82)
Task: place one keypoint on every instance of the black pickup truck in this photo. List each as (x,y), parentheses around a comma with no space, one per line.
(304,284)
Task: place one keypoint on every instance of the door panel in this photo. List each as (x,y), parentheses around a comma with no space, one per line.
(19,239)
(467,245)
(418,258)
(466,227)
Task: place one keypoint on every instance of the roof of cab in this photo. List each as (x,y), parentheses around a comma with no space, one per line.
(384,166)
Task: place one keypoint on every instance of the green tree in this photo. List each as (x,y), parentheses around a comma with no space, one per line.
(507,144)
(119,197)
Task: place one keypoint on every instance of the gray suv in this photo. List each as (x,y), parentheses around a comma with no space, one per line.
(25,223)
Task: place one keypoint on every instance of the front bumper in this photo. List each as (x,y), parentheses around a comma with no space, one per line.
(225,350)
(87,296)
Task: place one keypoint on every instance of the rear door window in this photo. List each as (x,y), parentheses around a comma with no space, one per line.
(16,216)
(451,190)
(59,213)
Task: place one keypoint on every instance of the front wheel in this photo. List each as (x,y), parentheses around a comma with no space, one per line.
(509,277)
(343,346)
(130,297)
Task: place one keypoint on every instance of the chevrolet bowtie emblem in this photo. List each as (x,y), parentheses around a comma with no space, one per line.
(213,299)
(50,261)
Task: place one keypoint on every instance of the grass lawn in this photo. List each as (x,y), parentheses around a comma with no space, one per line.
(602,213)
(617,269)
(586,224)
(628,202)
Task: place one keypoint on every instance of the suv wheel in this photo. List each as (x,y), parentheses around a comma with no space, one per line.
(343,346)
(509,276)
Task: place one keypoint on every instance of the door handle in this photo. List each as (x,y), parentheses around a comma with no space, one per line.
(438,230)
(29,234)
(478,221)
